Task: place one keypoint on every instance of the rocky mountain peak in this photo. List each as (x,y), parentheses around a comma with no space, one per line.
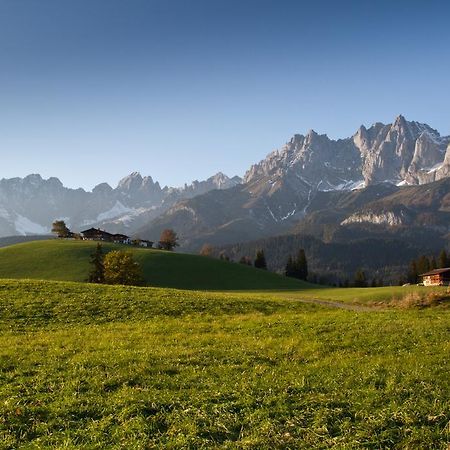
(33,178)
(130,182)
(395,152)
(102,188)
(222,181)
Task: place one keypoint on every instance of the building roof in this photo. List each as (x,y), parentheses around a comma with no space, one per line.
(436,272)
(97,231)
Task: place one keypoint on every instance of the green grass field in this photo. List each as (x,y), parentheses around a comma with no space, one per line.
(69,261)
(120,367)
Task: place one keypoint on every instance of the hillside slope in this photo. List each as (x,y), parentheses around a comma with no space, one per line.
(69,261)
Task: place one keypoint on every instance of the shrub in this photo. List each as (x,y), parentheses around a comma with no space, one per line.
(120,268)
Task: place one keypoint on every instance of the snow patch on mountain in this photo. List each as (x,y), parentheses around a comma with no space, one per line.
(346,185)
(25,226)
(117,210)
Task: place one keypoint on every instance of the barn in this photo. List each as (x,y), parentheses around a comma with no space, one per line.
(437,277)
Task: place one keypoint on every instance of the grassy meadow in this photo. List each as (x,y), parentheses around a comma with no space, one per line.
(68,260)
(121,367)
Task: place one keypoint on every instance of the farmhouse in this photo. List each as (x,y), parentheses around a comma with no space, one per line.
(437,277)
(95,234)
(121,239)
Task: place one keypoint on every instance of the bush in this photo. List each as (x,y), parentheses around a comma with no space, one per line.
(120,268)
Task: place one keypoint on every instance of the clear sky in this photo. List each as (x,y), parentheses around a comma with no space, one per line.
(91,90)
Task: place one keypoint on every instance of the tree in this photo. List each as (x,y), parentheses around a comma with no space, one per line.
(120,268)
(207,250)
(423,264)
(168,239)
(302,265)
(360,279)
(60,229)
(245,260)
(298,267)
(289,271)
(412,273)
(260,260)
(97,273)
(444,260)
(433,263)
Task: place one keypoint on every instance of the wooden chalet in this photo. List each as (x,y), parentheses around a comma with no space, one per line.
(95,234)
(437,277)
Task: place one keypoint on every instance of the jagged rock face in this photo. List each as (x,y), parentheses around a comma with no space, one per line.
(402,152)
(315,160)
(29,205)
(389,218)
(281,189)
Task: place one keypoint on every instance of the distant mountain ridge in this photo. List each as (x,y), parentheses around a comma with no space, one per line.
(274,195)
(29,205)
(402,153)
(278,191)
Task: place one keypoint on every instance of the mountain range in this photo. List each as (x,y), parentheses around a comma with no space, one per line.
(29,205)
(280,191)
(388,180)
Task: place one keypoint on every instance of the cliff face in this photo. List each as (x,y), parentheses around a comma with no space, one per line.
(282,189)
(401,152)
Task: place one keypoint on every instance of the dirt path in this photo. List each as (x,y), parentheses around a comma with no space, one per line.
(339,305)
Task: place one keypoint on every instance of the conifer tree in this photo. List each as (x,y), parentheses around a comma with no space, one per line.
(423,264)
(412,272)
(444,260)
(97,273)
(433,263)
(302,265)
(290,267)
(260,260)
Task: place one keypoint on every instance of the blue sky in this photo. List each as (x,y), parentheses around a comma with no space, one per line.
(91,90)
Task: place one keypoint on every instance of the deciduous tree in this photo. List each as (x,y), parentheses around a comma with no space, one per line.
(120,268)
(60,229)
(246,260)
(207,250)
(168,239)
